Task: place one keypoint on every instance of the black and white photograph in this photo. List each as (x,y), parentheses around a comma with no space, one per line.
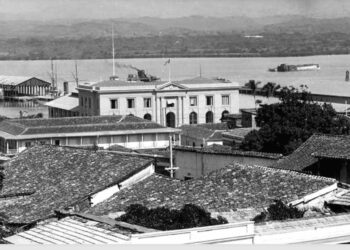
(177,122)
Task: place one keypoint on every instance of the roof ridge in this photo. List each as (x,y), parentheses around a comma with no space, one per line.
(286,171)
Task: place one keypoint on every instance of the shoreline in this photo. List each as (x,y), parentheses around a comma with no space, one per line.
(180,56)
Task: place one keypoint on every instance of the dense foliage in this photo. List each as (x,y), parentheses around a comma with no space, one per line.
(162,218)
(284,126)
(279,211)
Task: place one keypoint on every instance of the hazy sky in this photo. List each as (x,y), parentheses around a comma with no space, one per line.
(54,9)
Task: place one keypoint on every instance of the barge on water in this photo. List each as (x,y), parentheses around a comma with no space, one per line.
(300,67)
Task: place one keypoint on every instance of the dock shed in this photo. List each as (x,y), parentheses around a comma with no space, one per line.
(23,86)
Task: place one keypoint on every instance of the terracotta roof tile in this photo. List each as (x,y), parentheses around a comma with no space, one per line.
(50,178)
(227,150)
(318,145)
(231,188)
(75,124)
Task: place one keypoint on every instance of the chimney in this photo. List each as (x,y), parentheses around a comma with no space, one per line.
(65,88)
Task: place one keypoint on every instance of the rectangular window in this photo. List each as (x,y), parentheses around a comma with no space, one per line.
(85,101)
(89,103)
(114,104)
(193,101)
(225,100)
(131,103)
(209,100)
(147,103)
(81,101)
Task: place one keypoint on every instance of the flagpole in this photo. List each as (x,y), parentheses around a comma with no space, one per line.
(113,50)
(169,71)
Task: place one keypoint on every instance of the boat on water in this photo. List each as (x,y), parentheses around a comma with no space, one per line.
(299,67)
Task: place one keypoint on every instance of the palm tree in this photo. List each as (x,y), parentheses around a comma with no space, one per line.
(253,86)
(270,89)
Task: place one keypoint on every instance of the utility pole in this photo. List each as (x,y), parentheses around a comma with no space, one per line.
(171,168)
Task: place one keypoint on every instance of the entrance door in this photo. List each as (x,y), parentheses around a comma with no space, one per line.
(170,120)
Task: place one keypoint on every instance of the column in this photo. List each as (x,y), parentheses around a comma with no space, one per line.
(154,108)
(183,110)
(160,111)
(178,112)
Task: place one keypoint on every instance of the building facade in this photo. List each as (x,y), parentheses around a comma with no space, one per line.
(23,86)
(171,104)
(128,131)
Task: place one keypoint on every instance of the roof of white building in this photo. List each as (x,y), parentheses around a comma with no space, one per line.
(197,82)
(78,126)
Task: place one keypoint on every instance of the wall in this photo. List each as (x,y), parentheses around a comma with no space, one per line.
(248,120)
(101,104)
(134,141)
(235,233)
(193,164)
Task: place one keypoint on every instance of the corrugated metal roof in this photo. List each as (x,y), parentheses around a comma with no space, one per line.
(13,80)
(66,231)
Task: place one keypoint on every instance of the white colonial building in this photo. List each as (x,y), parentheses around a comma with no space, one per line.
(172,104)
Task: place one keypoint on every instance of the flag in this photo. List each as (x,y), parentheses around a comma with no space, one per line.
(167,61)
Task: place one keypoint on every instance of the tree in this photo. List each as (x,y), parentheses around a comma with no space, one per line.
(253,86)
(270,88)
(162,218)
(284,126)
(279,211)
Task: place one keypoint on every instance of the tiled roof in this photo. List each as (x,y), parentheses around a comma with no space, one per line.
(226,150)
(238,133)
(210,132)
(75,124)
(67,102)
(324,146)
(234,187)
(50,178)
(342,198)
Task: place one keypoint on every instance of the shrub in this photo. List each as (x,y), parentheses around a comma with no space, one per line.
(279,211)
(162,218)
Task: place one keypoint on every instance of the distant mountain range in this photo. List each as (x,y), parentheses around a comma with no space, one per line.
(151,26)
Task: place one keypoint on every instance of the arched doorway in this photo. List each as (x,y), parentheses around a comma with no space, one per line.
(193,118)
(147,117)
(223,116)
(209,117)
(170,119)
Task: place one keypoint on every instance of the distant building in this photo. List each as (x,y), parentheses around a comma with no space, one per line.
(324,155)
(248,118)
(202,134)
(128,131)
(196,162)
(235,137)
(65,106)
(23,86)
(171,104)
